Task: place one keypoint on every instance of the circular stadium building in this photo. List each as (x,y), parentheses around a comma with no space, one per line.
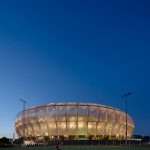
(72,121)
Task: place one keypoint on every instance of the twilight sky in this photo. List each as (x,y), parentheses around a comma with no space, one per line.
(79,50)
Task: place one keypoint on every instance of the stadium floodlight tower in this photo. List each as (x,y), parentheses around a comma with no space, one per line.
(126,97)
(24,103)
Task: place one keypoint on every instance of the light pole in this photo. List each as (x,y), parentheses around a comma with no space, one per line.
(126,96)
(24,103)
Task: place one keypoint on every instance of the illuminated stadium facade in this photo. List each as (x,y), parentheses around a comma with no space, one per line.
(72,120)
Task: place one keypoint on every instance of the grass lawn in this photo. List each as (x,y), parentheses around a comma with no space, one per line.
(79,148)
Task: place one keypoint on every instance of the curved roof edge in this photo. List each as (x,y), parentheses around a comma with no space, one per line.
(71,104)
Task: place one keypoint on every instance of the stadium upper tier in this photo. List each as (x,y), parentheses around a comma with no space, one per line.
(72,120)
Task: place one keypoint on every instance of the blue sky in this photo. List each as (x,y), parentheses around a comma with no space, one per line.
(89,51)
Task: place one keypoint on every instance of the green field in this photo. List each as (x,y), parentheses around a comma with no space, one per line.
(79,148)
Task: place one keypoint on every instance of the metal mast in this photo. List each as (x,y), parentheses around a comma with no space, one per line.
(126,97)
(23,102)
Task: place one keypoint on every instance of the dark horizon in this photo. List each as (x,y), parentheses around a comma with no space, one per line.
(75,51)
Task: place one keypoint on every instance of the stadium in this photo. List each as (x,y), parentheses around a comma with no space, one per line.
(72,121)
